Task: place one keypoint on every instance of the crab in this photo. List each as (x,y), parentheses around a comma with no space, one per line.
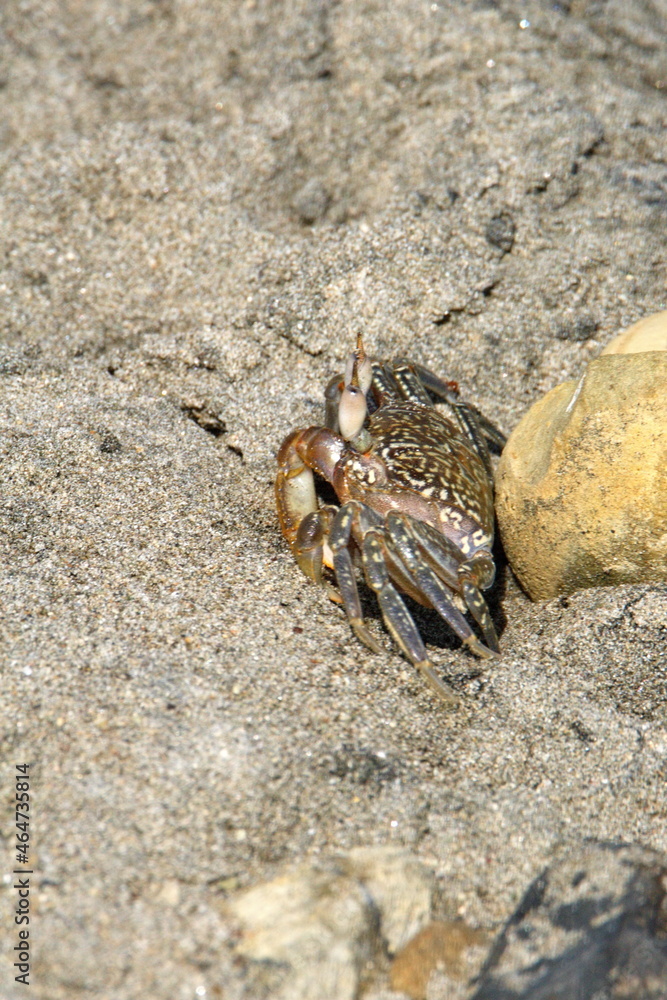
(415,489)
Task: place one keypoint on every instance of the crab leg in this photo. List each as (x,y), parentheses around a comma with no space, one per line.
(409,383)
(459,575)
(492,433)
(479,568)
(476,426)
(449,561)
(442,555)
(468,421)
(396,616)
(347,518)
(400,533)
(479,609)
(447,391)
(384,387)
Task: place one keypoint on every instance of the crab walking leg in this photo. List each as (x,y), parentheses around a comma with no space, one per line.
(467,419)
(346,519)
(489,429)
(401,535)
(479,609)
(442,555)
(396,616)
(384,388)
(449,562)
(409,384)
(480,567)
(465,576)
(446,391)
(443,390)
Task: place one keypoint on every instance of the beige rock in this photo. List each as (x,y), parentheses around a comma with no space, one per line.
(400,886)
(318,924)
(582,483)
(649,334)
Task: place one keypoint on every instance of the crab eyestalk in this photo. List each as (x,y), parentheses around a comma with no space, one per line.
(364,368)
(353,409)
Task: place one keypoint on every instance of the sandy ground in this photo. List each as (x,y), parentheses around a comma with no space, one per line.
(200,203)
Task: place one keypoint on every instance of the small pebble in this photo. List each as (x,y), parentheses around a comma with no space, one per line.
(110,445)
(311,201)
(500,232)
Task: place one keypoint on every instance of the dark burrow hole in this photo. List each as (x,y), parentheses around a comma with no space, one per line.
(208,421)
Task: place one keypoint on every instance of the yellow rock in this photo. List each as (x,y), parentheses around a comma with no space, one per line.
(581,489)
(439,945)
(649,334)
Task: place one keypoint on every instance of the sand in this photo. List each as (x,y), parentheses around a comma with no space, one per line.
(200,204)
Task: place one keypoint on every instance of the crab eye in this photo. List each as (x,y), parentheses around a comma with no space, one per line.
(364,370)
(352,411)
